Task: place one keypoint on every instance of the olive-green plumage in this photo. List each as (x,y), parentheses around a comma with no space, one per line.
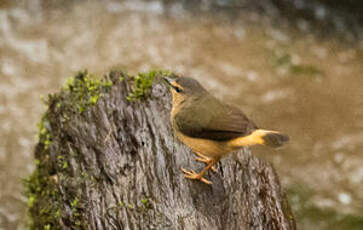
(211,128)
(206,117)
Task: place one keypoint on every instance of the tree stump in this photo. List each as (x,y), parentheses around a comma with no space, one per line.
(107,158)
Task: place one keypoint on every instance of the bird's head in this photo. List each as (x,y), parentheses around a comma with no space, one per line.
(184,88)
(184,85)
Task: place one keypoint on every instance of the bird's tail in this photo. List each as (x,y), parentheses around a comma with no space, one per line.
(273,138)
(262,137)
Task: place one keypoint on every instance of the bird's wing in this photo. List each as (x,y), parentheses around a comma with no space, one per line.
(211,119)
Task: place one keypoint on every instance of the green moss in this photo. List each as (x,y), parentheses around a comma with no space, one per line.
(144,201)
(143,83)
(43,200)
(75,208)
(93,100)
(83,91)
(31,200)
(84,175)
(75,203)
(41,188)
(44,135)
(65,165)
(62,162)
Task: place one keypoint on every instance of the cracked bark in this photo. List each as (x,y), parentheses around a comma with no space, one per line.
(124,169)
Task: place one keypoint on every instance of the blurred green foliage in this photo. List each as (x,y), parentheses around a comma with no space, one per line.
(309,216)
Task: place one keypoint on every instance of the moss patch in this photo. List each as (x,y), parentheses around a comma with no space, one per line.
(143,83)
(45,201)
(84,90)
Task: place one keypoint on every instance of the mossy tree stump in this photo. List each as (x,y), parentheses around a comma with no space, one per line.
(107,159)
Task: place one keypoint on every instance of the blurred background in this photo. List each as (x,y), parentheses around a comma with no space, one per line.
(291,65)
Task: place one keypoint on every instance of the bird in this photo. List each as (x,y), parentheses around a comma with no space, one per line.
(211,128)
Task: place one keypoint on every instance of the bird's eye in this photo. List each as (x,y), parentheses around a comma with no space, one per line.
(178,89)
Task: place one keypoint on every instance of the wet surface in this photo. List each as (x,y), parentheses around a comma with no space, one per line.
(284,78)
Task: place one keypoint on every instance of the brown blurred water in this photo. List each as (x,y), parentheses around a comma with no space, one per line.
(284,77)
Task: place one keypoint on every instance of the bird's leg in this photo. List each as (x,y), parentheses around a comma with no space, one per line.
(199,176)
(205,159)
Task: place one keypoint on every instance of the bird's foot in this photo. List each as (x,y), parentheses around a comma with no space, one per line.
(195,176)
(206,160)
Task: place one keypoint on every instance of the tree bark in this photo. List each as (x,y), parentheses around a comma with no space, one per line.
(116,165)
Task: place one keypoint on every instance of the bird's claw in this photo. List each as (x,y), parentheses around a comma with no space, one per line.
(207,161)
(195,176)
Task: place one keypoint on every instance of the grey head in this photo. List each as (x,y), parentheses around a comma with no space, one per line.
(185,85)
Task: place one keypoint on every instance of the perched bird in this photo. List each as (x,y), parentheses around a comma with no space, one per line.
(211,128)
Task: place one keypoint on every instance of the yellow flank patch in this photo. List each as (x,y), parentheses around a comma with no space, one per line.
(252,139)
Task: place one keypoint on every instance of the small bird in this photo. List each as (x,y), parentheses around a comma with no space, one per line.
(211,128)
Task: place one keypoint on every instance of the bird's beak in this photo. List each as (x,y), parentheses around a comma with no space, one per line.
(168,80)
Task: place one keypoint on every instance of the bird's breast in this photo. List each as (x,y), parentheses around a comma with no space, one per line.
(209,148)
